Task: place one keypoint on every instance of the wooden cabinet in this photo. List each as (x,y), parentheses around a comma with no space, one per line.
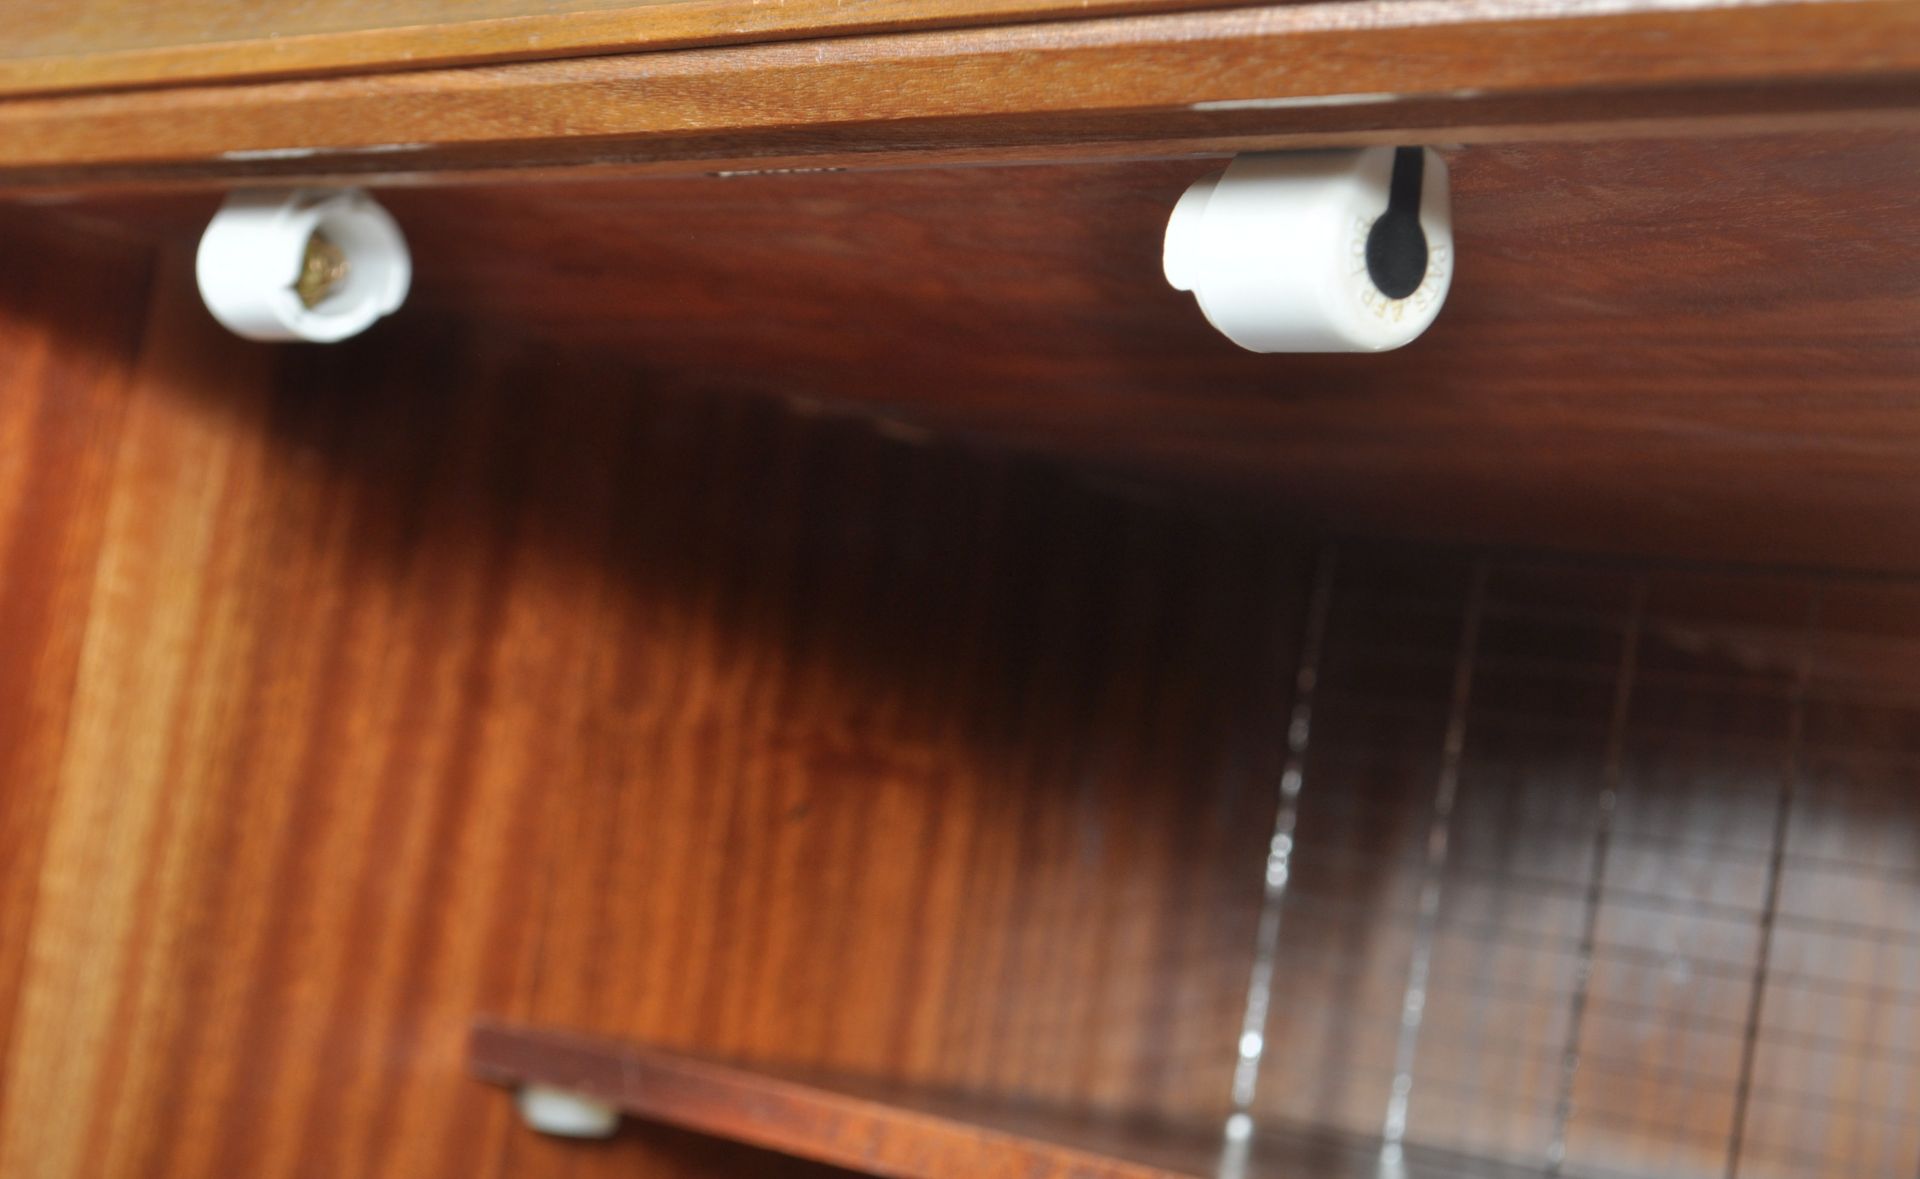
(797,631)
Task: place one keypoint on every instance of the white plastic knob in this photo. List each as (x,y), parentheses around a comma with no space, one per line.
(564,1114)
(251,257)
(1276,249)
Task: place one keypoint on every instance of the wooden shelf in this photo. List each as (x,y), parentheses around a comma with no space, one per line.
(904,1133)
(1209,82)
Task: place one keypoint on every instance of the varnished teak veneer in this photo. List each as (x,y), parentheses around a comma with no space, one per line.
(903,1133)
(90,44)
(1687,347)
(570,652)
(1239,79)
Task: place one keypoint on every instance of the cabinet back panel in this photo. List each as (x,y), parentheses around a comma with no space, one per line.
(1654,914)
(364,691)
(351,694)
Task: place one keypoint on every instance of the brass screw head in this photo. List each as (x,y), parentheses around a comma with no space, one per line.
(322,269)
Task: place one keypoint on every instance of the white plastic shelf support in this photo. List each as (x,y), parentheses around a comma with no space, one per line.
(1317,251)
(565,1115)
(256,257)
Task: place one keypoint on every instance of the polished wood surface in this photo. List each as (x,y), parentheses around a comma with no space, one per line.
(1160,85)
(1609,870)
(1701,349)
(353,694)
(1693,348)
(92,44)
(70,338)
(908,1133)
(891,1135)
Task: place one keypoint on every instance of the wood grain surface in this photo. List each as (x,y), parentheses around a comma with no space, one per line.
(906,1132)
(1701,349)
(1697,348)
(890,1134)
(92,44)
(1171,84)
(352,694)
(70,335)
